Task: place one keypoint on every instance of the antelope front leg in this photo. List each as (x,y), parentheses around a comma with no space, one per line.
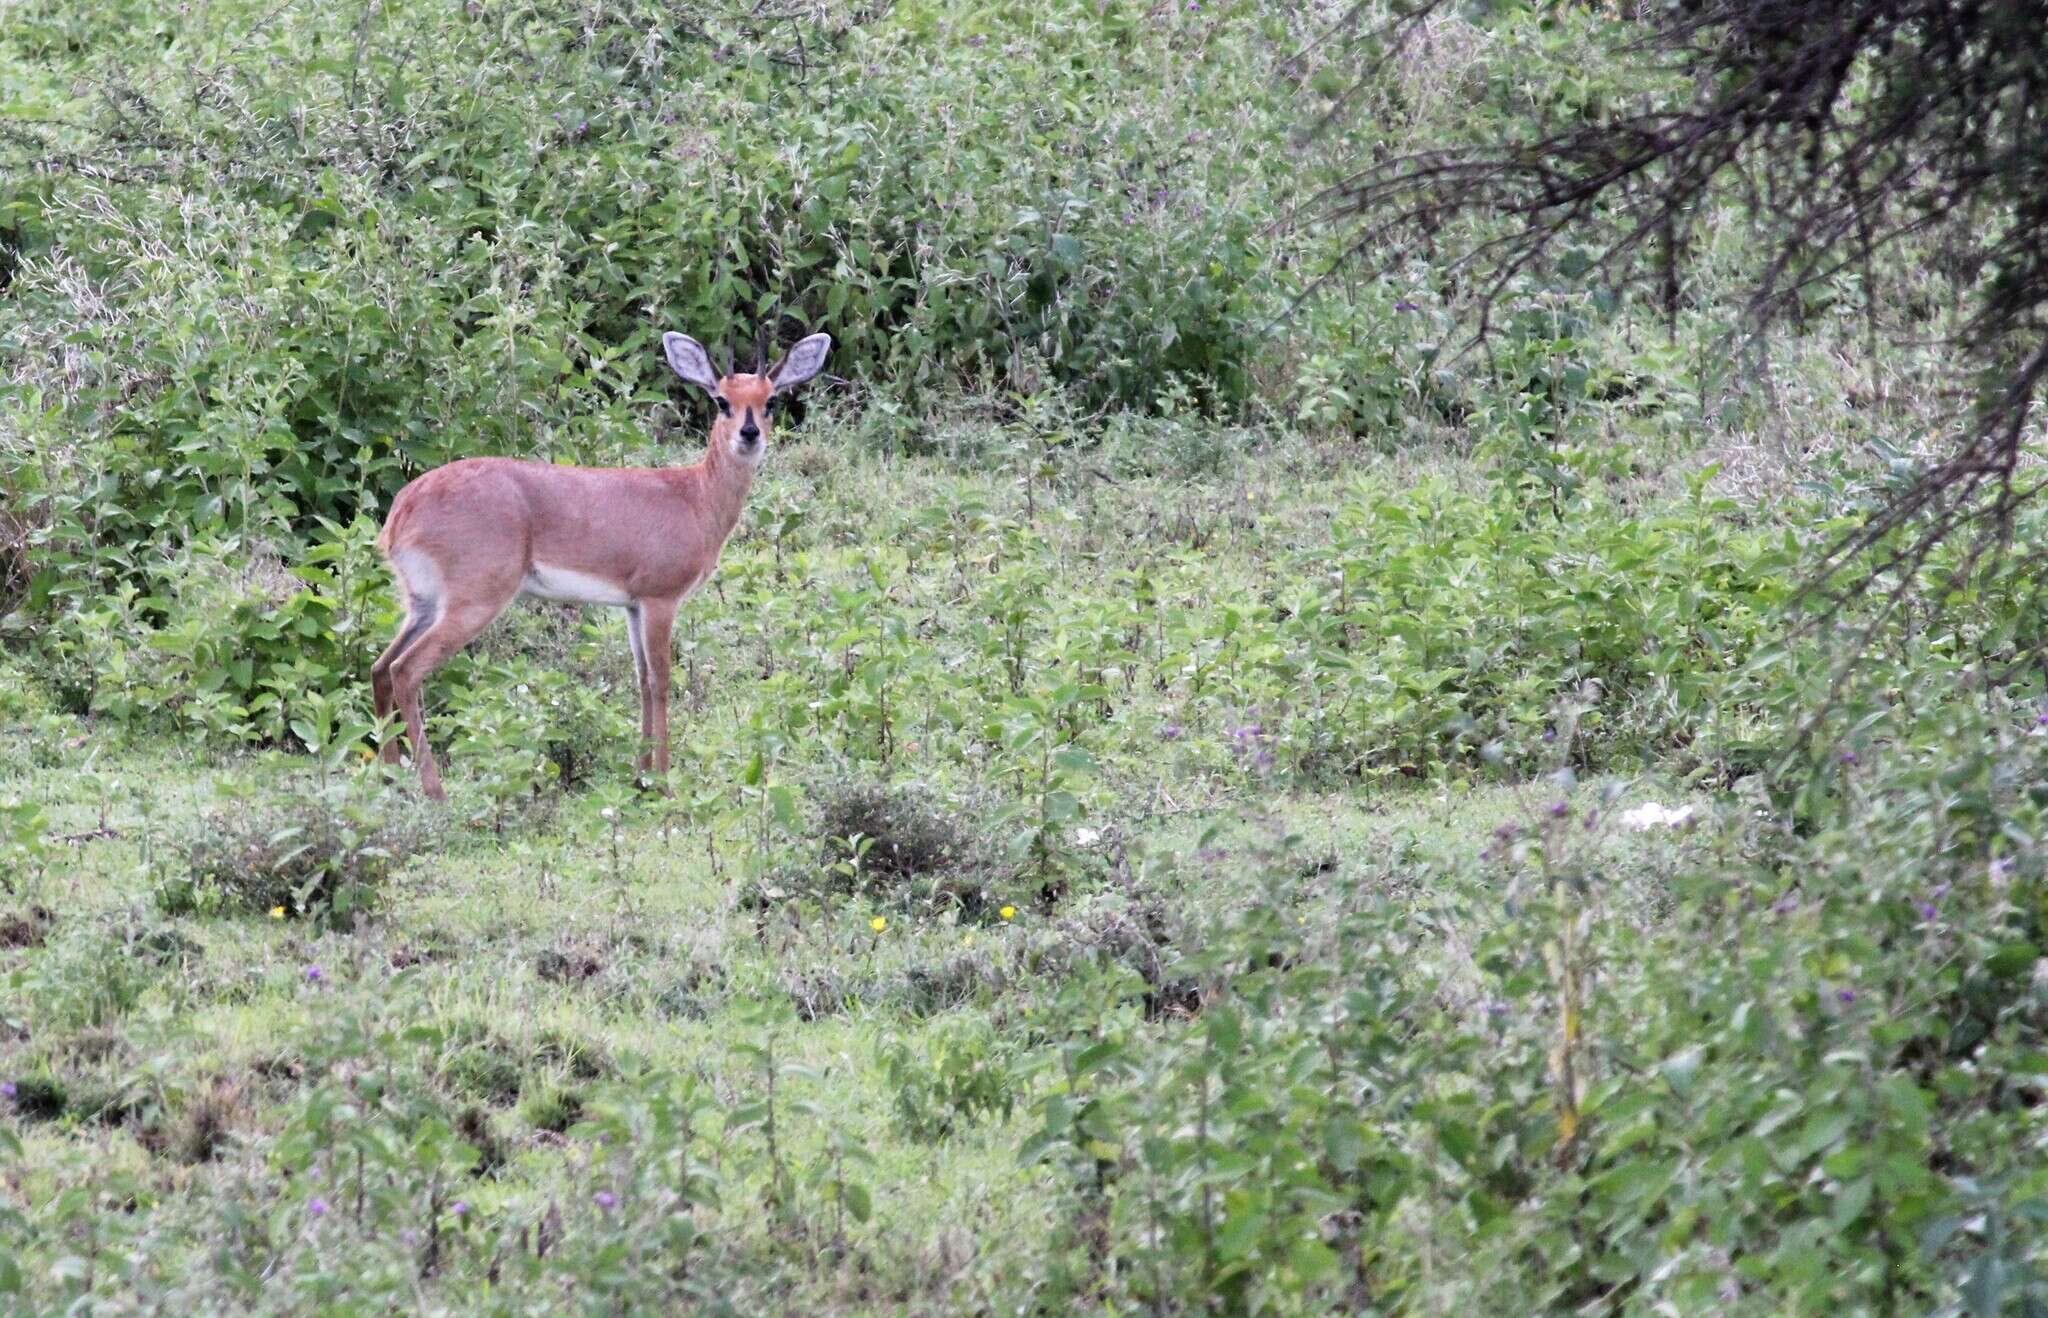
(657,620)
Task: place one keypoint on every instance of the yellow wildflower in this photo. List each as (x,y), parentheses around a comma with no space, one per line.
(878,924)
(277,912)
(1008,912)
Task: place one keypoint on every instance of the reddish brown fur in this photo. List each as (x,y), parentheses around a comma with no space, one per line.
(483,524)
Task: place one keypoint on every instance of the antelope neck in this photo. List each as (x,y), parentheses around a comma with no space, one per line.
(724,478)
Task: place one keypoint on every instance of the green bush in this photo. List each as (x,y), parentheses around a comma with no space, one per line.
(326,856)
(1766,1072)
(956,1075)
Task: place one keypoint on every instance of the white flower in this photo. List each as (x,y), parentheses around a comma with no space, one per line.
(1652,815)
(1087,837)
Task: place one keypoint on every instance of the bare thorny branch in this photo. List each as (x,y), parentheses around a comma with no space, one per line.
(1843,129)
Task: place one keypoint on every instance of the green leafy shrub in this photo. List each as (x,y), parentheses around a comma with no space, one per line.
(897,846)
(581,1057)
(956,1074)
(88,974)
(1133,935)
(475,1063)
(901,845)
(327,857)
(555,1108)
(23,852)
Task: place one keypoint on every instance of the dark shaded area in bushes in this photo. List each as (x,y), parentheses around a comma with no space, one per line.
(895,846)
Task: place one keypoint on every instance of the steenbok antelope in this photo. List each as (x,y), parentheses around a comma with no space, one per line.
(467,539)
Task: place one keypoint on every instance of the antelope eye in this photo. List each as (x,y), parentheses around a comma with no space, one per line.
(768,408)
(724,408)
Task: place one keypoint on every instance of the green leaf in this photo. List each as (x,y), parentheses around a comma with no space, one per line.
(1680,1068)
(2012,960)
(1074,760)
(1850,1202)
(1633,1182)
(1984,1287)
(1822,1131)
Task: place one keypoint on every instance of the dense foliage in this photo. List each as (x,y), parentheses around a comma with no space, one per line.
(1173,809)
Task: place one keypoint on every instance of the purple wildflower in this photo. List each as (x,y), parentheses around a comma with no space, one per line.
(2041,719)
(606,1199)
(1405,305)
(459,1208)
(1549,734)
(1927,911)
(7,1089)
(1846,996)
(317,1206)
(1559,810)
(1848,757)
(1171,732)
(314,975)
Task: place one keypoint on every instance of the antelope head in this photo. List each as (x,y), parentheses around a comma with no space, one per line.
(746,403)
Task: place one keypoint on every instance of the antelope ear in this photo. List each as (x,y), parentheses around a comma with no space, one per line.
(687,358)
(805,360)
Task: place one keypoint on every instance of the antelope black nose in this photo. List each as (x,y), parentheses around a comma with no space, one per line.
(750,433)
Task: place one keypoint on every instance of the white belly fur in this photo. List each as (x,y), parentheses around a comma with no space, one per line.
(567,587)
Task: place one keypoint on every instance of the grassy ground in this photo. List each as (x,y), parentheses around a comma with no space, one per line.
(510,978)
(538,965)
